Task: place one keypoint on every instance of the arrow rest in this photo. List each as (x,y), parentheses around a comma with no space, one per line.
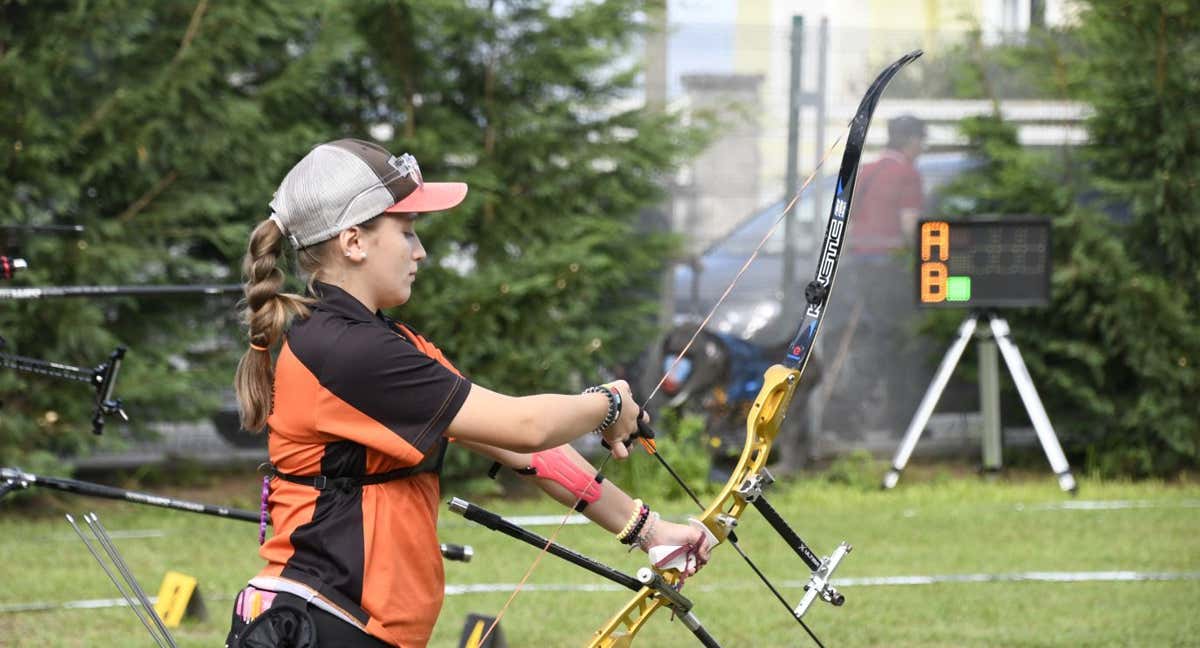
(753,486)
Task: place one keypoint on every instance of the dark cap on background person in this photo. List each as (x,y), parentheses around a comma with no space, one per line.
(343,183)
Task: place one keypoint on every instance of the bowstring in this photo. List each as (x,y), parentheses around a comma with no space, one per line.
(604,462)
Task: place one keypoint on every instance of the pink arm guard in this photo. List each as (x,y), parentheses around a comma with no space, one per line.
(557,466)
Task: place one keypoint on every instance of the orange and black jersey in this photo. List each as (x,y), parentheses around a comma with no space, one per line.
(358,394)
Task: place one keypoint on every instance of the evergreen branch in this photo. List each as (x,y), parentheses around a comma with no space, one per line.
(192,29)
(99,113)
(148,197)
(106,106)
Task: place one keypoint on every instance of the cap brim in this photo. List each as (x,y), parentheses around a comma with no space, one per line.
(431,197)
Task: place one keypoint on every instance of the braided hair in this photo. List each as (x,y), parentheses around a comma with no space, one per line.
(266,314)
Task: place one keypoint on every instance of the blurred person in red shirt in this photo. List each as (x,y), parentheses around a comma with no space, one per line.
(890,192)
(881,317)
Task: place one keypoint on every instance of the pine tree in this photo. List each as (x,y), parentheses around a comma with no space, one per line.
(163,127)
(1142,75)
(1115,354)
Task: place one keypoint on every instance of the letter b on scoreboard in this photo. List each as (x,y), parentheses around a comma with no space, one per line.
(933,282)
(935,249)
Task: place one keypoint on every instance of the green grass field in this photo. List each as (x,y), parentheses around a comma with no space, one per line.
(928,526)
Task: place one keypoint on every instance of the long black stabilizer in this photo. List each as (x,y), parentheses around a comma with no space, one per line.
(47,368)
(12,479)
(119,291)
(24,479)
(496,523)
(103,378)
(785,531)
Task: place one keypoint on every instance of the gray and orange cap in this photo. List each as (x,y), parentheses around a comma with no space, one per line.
(341,184)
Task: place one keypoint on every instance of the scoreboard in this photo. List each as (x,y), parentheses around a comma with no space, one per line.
(983,263)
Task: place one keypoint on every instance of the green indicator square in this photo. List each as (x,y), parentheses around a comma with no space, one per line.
(958,289)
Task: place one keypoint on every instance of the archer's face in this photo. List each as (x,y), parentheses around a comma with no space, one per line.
(395,255)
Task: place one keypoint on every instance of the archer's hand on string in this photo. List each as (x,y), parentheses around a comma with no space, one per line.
(619,435)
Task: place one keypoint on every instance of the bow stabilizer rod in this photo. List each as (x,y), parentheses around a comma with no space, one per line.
(155,290)
(13,479)
(20,479)
(492,521)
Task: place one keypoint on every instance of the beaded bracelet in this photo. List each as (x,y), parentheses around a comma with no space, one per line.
(643,515)
(637,511)
(643,538)
(614,406)
(631,537)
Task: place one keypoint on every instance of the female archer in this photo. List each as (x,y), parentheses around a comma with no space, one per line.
(359,408)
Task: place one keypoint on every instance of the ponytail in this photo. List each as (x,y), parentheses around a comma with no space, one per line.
(266,315)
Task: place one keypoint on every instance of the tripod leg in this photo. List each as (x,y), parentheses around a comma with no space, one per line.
(1033,405)
(929,401)
(989,404)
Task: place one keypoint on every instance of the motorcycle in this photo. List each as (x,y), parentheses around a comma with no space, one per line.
(718,378)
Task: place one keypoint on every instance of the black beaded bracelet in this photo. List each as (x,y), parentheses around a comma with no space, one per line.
(631,537)
(614,406)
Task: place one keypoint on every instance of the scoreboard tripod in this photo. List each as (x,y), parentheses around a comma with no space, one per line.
(982,265)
